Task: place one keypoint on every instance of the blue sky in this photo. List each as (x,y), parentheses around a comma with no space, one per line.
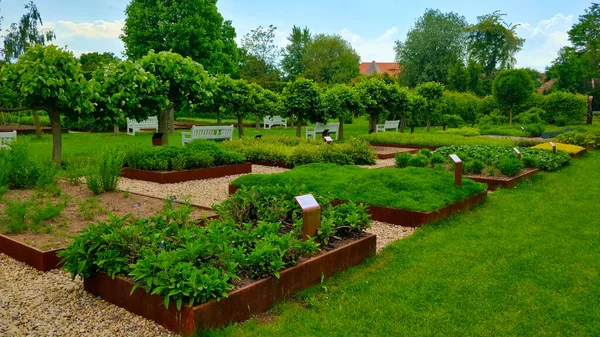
(371,26)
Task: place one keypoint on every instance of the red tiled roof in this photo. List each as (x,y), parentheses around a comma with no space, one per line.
(391,68)
(364,66)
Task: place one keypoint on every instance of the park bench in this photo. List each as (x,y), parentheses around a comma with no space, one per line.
(320,127)
(275,120)
(207,132)
(133,125)
(7,138)
(388,125)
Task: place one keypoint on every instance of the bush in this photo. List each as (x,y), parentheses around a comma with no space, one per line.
(402,159)
(564,108)
(418,161)
(466,106)
(105,176)
(21,171)
(426,152)
(535,129)
(452,121)
(474,167)
(531,116)
(510,166)
(437,158)
(580,138)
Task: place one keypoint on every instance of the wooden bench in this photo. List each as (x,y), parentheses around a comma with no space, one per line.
(133,126)
(207,132)
(388,125)
(320,127)
(6,138)
(274,120)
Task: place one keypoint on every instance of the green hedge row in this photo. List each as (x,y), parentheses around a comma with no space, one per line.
(298,151)
(432,139)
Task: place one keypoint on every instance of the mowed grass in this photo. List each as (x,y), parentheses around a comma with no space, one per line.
(526,263)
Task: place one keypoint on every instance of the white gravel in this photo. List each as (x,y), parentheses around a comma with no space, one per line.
(201,192)
(388,233)
(33,303)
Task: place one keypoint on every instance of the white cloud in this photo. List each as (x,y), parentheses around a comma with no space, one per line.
(387,35)
(349,36)
(543,41)
(94,30)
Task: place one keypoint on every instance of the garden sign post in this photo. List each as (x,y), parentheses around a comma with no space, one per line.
(457,170)
(553,147)
(311,215)
(590,116)
(517,152)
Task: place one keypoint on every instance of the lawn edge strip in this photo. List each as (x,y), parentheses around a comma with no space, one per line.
(172,177)
(242,303)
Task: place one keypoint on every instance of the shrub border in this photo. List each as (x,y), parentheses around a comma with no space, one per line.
(242,303)
(172,177)
(408,218)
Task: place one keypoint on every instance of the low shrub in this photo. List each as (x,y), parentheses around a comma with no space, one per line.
(466,132)
(402,159)
(531,116)
(475,166)
(30,215)
(510,166)
(105,176)
(434,139)
(22,171)
(572,149)
(418,161)
(452,121)
(545,160)
(580,138)
(257,235)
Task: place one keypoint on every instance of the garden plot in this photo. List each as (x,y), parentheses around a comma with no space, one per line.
(36,224)
(388,152)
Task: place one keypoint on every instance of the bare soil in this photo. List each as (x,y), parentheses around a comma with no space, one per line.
(71,220)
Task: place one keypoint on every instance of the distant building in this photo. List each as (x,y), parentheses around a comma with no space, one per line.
(368,68)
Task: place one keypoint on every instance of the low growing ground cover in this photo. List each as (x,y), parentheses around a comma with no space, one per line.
(580,138)
(196,154)
(434,139)
(299,151)
(257,235)
(572,149)
(414,189)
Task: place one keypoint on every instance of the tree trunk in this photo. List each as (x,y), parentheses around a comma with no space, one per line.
(444,127)
(257,122)
(38,124)
(402,123)
(291,121)
(341,130)
(372,122)
(116,130)
(298,128)
(241,126)
(428,124)
(510,120)
(218,117)
(56,135)
(412,129)
(163,125)
(172,120)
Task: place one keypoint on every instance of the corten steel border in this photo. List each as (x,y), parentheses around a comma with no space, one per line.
(171,177)
(38,259)
(270,163)
(407,218)
(242,303)
(508,182)
(417,147)
(393,155)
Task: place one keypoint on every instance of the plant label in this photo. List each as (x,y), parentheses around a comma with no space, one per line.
(307,202)
(553,147)
(522,129)
(328,139)
(517,152)
(173,197)
(457,170)
(137,205)
(455,159)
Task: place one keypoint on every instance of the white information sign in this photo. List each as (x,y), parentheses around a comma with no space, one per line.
(307,202)
(552,144)
(516,150)
(328,139)
(455,158)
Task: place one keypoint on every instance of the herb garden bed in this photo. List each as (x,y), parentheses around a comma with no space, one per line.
(504,181)
(404,146)
(389,152)
(251,299)
(171,177)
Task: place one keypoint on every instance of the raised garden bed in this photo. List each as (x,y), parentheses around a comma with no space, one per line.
(38,248)
(389,152)
(404,146)
(254,298)
(503,181)
(274,164)
(171,177)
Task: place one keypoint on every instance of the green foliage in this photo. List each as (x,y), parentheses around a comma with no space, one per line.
(564,108)
(302,101)
(465,105)
(474,167)
(402,159)
(580,138)
(510,166)
(435,43)
(414,189)
(341,101)
(169,255)
(21,171)
(545,160)
(25,34)
(330,59)
(531,116)
(90,208)
(30,214)
(294,52)
(431,139)
(197,30)
(452,121)
(418,161)
(104,177)
(375,97)
(512,87)
(196,154)
(90,62)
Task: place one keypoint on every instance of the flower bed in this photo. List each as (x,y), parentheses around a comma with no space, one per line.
(293,151)
(573,150)
(409,197)
(255,243)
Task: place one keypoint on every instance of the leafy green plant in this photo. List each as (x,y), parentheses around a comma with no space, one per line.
(105,176)
(90,208)
(580,138)
(30,214)
(418,160)
(474,166)
(510,166)
(402,159)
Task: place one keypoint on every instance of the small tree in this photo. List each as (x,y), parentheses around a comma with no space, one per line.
(183,82)
(239,100)
(512,87)
(398,104)
(374,95)
(417,104)
(433,93)
(302,101)
(49,79)
(342,101)
(125,89)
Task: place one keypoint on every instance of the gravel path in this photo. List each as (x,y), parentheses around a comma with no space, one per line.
(388,233)
(381,163)
(33,303)
(202,192)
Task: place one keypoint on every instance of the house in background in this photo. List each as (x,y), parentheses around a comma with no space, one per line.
(391,68)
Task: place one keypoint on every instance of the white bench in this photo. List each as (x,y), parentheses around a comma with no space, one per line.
(6,138)
(320,127)
(207,132)
(274,120)
(387,126)
(133,125)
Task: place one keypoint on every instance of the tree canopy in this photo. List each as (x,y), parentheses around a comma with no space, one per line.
(433,93)
(374,95)
(91,62)
(585,36)
(330,59)
(513,87)
(191,28)
(302,101)
(342,102)
(260,55)
(435,43)
(294,52)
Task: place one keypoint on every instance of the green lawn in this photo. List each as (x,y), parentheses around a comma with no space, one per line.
(526,263)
